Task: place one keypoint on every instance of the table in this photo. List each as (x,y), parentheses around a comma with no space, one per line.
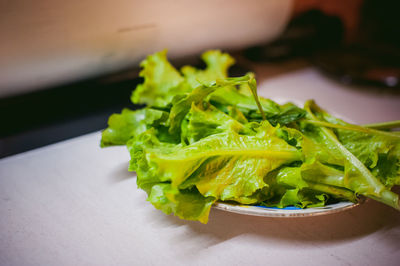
(73,203)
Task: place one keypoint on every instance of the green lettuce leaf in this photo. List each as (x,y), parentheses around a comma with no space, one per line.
(201,123)
(124,126)
(161,82)
(217,65)
(207,137)
(297,186)
(378,150)
(241,161)
(356,175)
(275,114)
(187,204)
(182,103)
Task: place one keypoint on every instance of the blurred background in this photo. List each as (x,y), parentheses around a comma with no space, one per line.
(65,66)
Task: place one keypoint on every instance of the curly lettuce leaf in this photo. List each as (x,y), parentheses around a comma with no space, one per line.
(206,137)
(203,122)
(378,150)
(182,103)
(275,114)
(161,82)
(356,175)
(225,166)
(124,126)
(230,96)
(379,153)
(217,65)
(294,186)
(187,204)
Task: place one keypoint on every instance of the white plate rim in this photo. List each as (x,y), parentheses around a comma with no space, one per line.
(288,213)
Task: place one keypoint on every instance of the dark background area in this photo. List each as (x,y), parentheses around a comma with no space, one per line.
(48,116)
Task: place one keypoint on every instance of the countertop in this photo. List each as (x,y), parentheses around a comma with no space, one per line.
(72,203)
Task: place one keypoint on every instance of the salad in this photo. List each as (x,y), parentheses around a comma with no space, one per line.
(204,137)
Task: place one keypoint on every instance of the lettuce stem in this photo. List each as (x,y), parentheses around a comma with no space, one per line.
(353,128)
(384,125)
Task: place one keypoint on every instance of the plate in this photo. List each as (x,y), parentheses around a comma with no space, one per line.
(285,212)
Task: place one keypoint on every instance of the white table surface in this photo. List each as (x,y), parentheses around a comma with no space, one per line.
(73,203)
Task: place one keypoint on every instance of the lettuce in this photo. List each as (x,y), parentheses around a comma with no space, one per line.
(124,126)
(206,137)
(161,82)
